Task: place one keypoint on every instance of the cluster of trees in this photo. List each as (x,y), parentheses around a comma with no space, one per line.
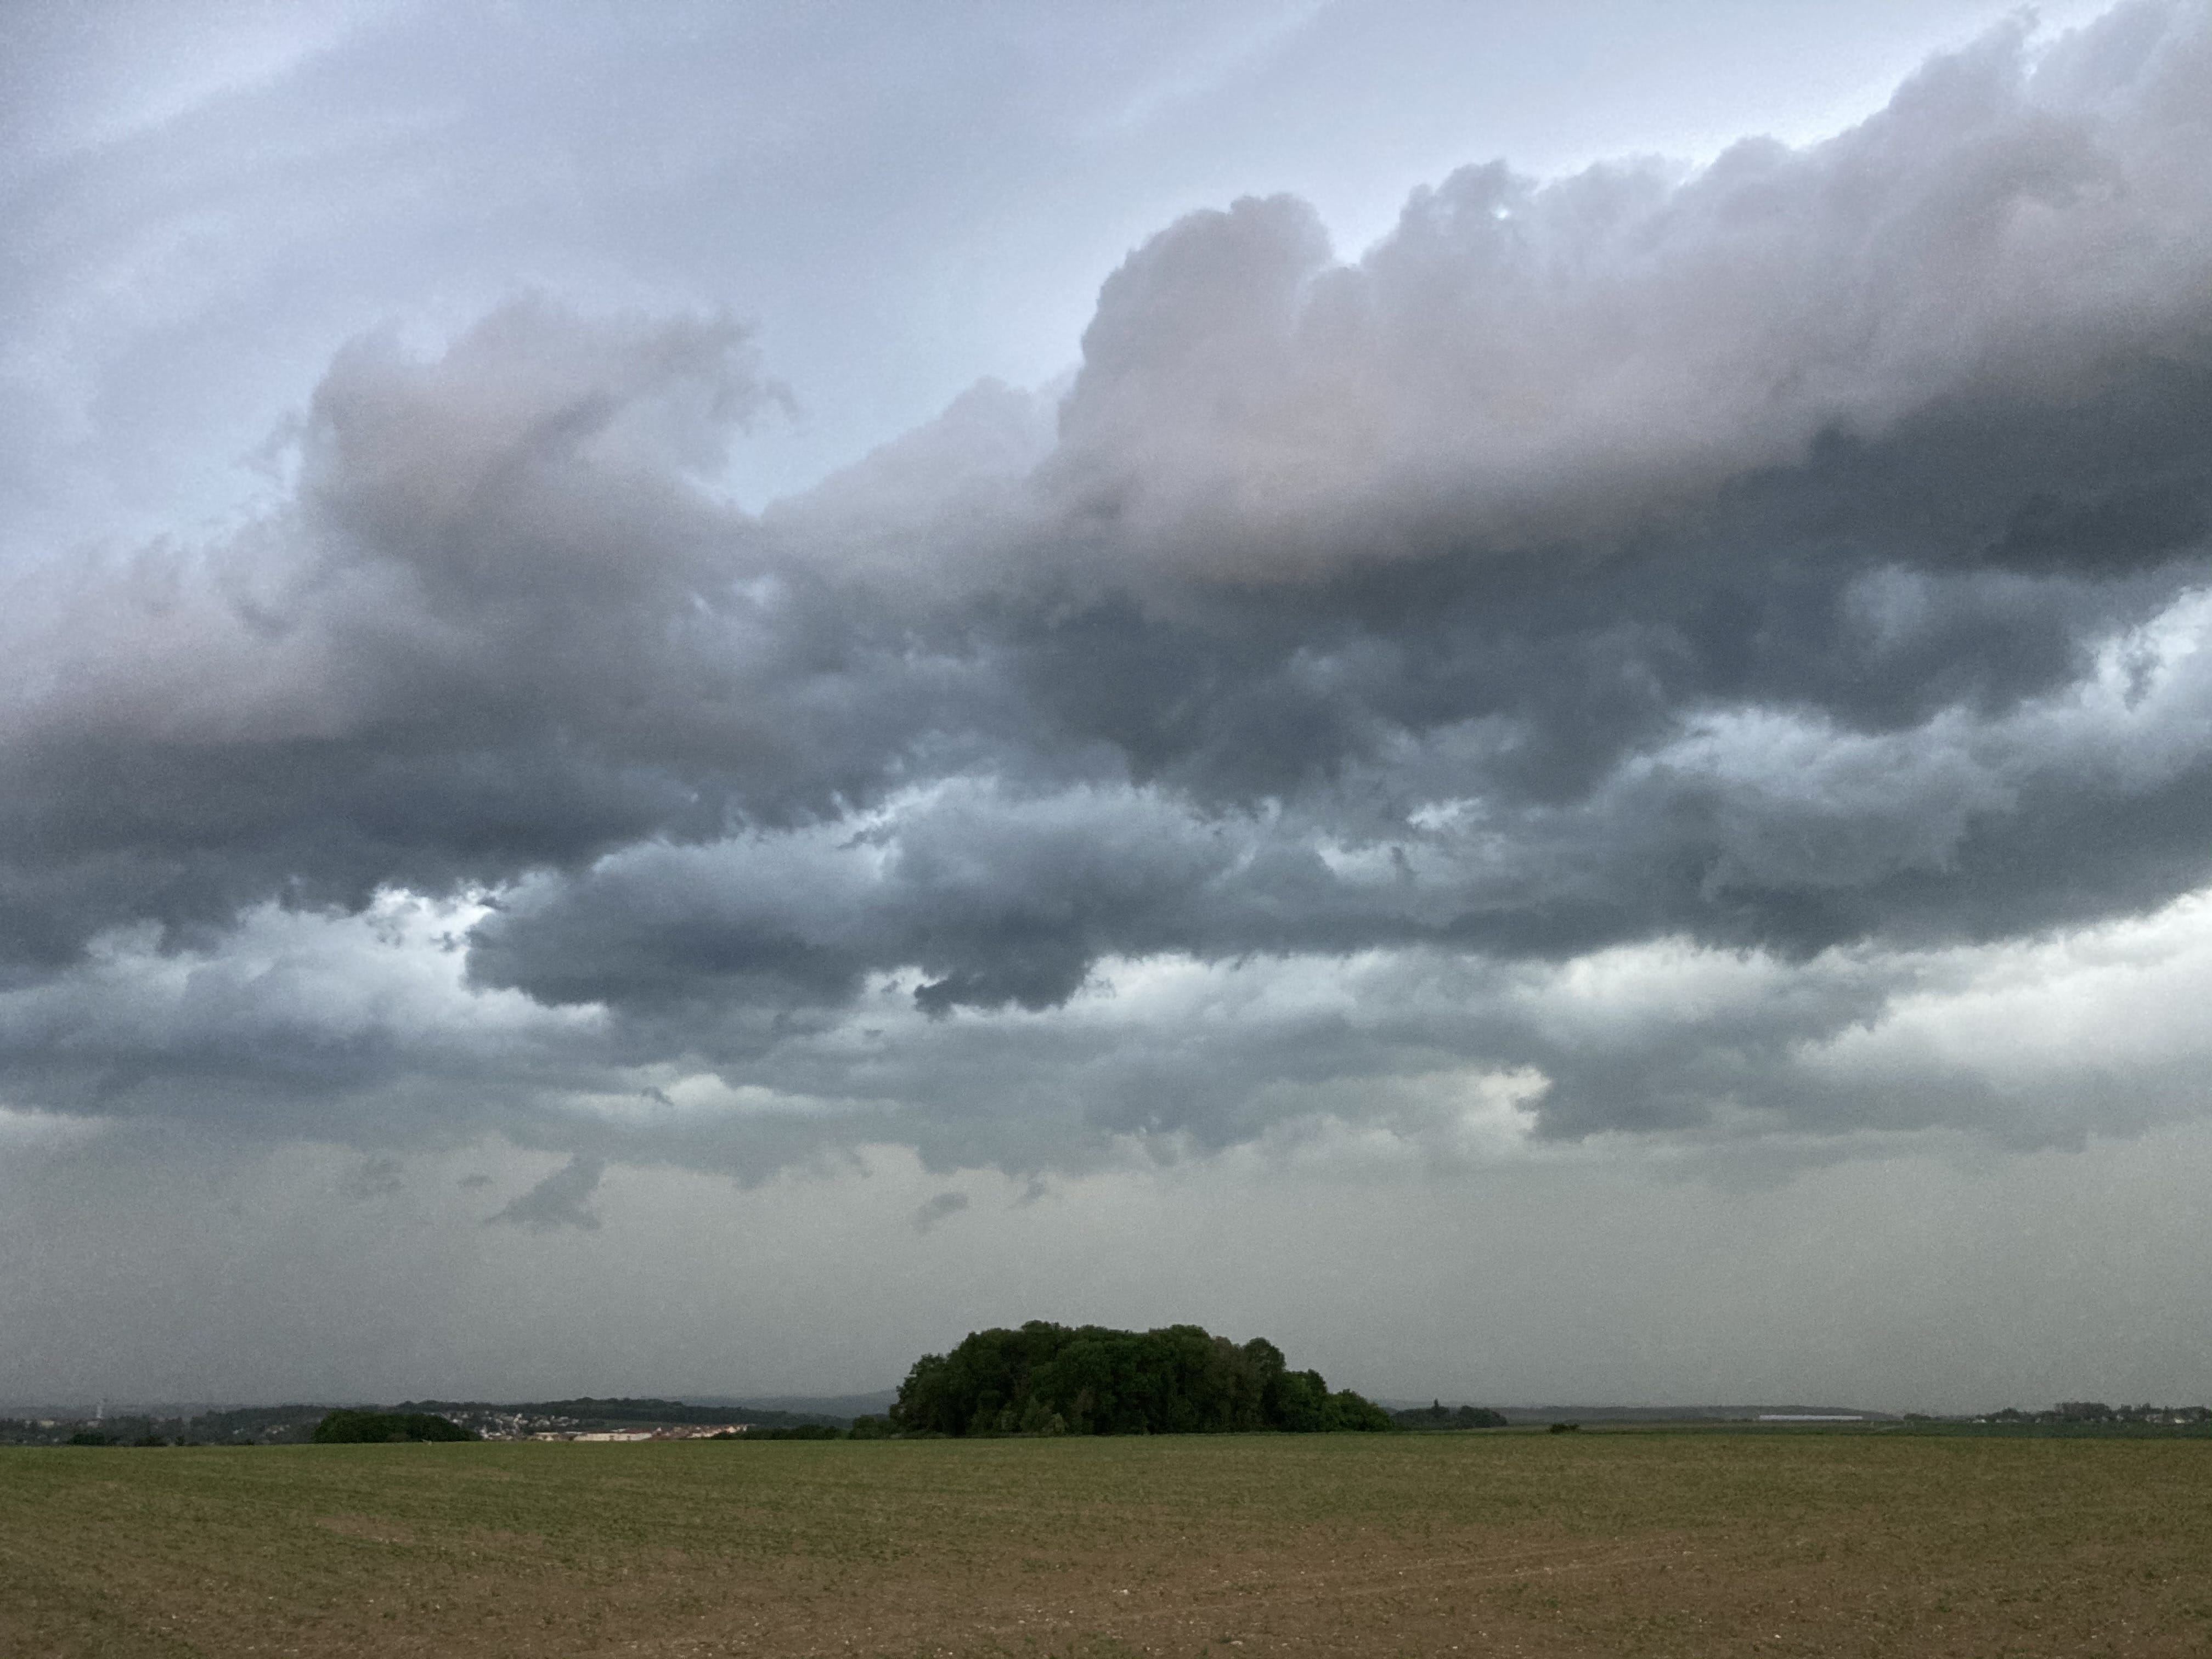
(357,1428)
(1052,1379)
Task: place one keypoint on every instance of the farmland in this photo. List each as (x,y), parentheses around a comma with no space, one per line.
(1597,1543)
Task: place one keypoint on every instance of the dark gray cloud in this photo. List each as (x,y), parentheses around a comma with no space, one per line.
(1799,563)
(941,1207)
(562,1199)
(373,1178)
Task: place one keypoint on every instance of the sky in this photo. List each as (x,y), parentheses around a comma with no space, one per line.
(692,697)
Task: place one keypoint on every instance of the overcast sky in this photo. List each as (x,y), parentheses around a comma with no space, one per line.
(690,697)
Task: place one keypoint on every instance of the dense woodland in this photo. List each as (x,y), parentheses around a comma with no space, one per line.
(1054,1379)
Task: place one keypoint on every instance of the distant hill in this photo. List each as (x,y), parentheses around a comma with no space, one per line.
(816,1407)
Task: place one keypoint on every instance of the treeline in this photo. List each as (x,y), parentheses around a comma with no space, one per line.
(344,1427)
(241,1426)
(2093,1412)
(1438,1415)
(353,1428)
(1052,1379)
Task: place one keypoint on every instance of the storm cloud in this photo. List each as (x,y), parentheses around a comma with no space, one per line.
(1607,659)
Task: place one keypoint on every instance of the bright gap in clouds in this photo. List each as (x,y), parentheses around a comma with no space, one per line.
(1353,106)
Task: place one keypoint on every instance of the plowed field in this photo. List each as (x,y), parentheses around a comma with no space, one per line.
(1507,1543)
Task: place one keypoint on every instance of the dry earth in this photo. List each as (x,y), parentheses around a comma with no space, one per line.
(1597,1544)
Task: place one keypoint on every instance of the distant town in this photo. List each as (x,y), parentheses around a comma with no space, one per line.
(586,1420)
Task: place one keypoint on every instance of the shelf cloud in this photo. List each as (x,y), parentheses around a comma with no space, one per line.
(1623,655)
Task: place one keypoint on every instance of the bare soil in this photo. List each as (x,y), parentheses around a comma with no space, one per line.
(1502,1543)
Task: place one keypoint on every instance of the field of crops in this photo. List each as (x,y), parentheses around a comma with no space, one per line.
(1513,1543)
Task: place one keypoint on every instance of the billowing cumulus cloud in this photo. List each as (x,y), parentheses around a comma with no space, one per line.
(1653,652)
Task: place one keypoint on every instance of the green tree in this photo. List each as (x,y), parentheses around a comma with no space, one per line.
(1179,1379)
(357,1428)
